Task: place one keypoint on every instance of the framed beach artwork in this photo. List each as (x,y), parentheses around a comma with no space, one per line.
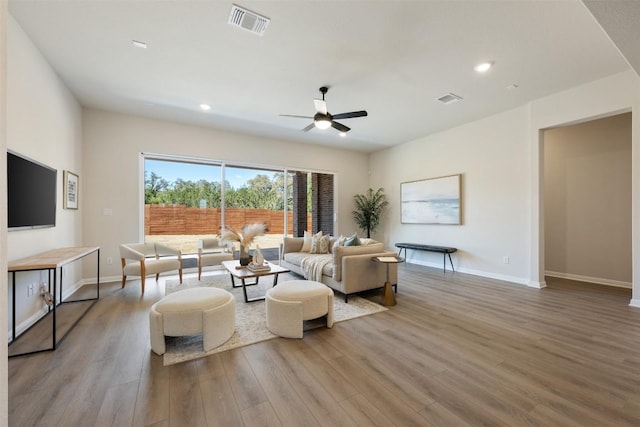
(431,201)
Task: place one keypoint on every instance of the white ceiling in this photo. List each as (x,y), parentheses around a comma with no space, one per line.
(392,58)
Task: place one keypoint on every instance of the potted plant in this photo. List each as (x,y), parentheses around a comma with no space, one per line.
(244,237)
(369,207)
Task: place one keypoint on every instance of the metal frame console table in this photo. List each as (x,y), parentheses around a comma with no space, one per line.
(51,261)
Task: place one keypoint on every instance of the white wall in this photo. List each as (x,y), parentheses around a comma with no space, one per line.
(612,95)
(587,196)
(44,122)
(501,160)
(112,178)
(4,375)
(492,156)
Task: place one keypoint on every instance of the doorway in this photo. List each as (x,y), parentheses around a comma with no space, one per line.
(587,201)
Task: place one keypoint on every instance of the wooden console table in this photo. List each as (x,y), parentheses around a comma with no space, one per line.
(444,250)
(51,261)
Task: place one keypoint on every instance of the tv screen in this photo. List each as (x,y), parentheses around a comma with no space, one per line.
(31,193)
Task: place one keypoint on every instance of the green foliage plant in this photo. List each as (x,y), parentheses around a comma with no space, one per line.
(369,207)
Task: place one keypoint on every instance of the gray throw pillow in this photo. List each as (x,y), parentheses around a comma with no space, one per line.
(352,241)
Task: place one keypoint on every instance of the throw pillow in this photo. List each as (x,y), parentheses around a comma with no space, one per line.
(320,245)
(306,242)
(306,245)
(338,241)
(352,241)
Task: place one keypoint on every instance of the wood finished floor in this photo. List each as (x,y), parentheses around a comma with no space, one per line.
(457,350)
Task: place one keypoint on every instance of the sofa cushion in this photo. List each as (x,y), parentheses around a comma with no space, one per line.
(296,258)
(364,241)
(292,244)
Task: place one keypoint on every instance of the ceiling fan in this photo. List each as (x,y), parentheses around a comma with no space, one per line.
(323,119)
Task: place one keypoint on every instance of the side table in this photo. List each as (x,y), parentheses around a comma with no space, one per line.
(388,296)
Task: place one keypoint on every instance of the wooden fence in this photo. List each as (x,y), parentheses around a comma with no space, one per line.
(181,220)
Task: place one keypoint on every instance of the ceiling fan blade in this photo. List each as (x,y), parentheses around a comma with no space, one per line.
(308,128)
(299,117)
(340,127)
(321,106)
(350,115)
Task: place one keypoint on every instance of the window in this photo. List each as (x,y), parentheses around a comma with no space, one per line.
(186,199)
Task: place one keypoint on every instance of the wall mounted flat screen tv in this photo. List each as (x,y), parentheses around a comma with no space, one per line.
(31,193)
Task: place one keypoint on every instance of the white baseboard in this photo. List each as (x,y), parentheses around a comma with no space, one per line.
(26,324)
(537,285)
(118,278)
(503,277)
(31,320)
(597,280)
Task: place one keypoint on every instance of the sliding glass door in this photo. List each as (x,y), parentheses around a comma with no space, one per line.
(182,202)
(186,199)
(256,196)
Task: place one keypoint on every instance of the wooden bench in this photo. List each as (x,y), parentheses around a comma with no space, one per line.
(444,250)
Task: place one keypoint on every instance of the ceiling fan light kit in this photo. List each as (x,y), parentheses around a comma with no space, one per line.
(324,120)
(322,123)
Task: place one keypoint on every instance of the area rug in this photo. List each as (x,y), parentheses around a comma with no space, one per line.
(251,326)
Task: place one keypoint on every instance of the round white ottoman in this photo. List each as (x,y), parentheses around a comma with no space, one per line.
(290,303)
(209,311)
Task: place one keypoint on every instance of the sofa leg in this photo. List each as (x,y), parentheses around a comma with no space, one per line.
(346,298)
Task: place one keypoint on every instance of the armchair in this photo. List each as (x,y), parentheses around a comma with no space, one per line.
(143,259)
(211,253)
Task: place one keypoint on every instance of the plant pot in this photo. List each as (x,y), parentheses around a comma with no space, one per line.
(245,259)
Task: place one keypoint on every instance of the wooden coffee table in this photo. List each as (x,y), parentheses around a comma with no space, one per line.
(243,273)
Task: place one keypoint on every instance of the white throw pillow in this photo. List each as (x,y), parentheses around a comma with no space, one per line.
(306,245)
(339,241)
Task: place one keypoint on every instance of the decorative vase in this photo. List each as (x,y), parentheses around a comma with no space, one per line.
(258,258)
(245,259)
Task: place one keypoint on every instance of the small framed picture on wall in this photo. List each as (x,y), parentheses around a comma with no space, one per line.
(71,182)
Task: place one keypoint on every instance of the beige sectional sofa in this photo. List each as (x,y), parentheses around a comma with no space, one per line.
(346,269)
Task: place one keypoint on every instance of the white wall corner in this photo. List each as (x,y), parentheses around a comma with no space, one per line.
(634,303)
(537,285)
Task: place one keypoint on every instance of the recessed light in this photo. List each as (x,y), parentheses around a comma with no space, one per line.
(141,45)
(342,134)
(483,67)
(205,107)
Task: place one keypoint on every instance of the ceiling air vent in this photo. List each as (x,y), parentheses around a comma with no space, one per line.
(247,20)
(449,98)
